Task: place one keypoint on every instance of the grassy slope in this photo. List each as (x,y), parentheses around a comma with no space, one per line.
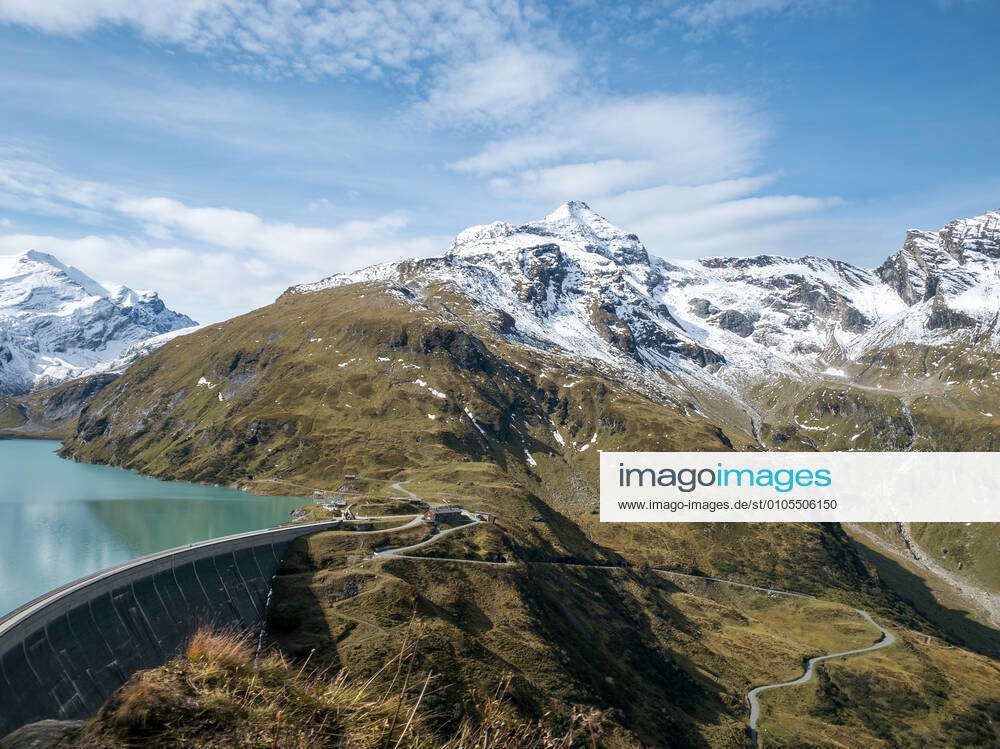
(279,411)
(972,551)
(665,661)
(911,398)
(315,386)
(904,398)
(223,693)
(936,600)
(319,384)
(10,414)
(49,413)
(919,692)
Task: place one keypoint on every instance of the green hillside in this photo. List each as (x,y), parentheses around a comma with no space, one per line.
(369,379)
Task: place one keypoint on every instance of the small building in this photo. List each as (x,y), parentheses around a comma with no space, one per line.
(350,477)
(443,514)
(486,517)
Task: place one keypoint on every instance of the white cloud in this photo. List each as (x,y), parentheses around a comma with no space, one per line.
(682,170)
(32,187)
(733,227)
(219,261)
(716,12)
(703,16)
(291,37)
(234,229)
(505,86)
(39,181)
(635,205)
(725,217)
(319,205)
(677,170)
(42,189)
(593,178)
(602,144)
(206,285)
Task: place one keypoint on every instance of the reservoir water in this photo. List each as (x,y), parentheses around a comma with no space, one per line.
(61,520)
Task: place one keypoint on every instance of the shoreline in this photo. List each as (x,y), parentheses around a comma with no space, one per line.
(233,487)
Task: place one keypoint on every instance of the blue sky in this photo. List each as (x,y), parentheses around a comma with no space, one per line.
(221,150)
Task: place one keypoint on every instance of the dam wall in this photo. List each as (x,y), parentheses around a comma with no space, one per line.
(63,654)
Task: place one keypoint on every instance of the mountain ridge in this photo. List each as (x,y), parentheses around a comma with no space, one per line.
(491,376)
(572,282)
(57,323)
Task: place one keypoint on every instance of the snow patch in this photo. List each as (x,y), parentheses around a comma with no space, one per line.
(473,420)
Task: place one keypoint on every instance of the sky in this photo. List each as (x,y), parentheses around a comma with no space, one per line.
(219,151)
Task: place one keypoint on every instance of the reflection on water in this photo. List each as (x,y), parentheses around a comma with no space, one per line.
(61,520)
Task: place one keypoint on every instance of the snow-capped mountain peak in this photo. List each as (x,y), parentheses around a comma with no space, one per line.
(32,270)
(574,283)
(573,225)
(56,322)
(578,222)
(977,234)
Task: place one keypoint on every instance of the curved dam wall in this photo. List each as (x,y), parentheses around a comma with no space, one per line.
(64,654)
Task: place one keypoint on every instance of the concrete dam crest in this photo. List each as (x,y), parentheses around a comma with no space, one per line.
(65,653)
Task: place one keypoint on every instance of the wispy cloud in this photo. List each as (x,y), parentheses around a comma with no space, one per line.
(492,83)
(371,38)
(28,186)
(235,229)
(678,170)
(505,86)
(705,16)
(742,226)
(598,145)
(185,277)
(231,258)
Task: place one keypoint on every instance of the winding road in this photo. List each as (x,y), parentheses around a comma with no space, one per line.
(398,486)
(400,552)
(773,591)
(888,638)
(753,696)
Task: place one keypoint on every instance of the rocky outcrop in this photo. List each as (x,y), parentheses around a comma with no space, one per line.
(735,322)
(45,734)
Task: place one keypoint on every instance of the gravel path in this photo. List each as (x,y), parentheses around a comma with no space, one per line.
(983,601)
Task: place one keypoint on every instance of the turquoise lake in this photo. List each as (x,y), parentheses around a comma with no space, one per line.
(61,520)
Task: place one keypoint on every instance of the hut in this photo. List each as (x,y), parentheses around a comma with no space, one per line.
(443,514)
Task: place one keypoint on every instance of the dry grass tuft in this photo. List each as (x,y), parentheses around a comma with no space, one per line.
(219,694)
(144,704)
(495,729)
(228,649)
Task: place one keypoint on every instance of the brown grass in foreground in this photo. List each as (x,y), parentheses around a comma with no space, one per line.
(220,693)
